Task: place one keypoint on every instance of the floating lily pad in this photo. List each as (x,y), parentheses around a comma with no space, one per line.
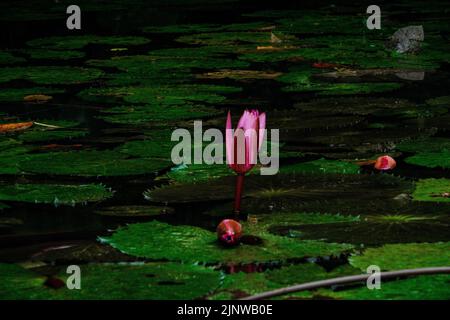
(168,95)
(10,150)
(276,219)
(143,70)
(317,23)
(443,100)
(9,58)
(322,166)
(374,230)
(156,113)
(285,190)
(158,148)
(404,256)
(243,75)
(182,28)
(435,190)
(379,106)
(64,130)
(202,172)
(54,193)
(90,163)
(427,145)
(197,28)
(238,285)
(193,244)
(228,38)
(45,54)
(134,211)
(50,74)
(18,94)
(431,159)
(78,42)
(112,281)
(300,84)
(431,287)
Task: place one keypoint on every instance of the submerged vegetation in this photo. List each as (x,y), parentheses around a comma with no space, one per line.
(85,152)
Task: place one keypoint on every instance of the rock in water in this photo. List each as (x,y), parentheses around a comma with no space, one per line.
(407,39)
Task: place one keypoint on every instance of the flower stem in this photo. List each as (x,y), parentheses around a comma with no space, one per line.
(238,193)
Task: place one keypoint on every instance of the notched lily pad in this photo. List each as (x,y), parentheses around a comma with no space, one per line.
(193,244)
(322,166)
(435,190)
(285,190)
(404,256)
(23,94)
(112,281)
(78,42)
(134,211)
(57,194)
(90,163)
(50,74)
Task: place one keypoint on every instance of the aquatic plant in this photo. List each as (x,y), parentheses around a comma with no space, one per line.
(242,154)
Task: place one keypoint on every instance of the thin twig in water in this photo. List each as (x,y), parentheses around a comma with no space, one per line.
(345,280)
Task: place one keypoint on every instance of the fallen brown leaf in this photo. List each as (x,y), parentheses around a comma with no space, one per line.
(11,127)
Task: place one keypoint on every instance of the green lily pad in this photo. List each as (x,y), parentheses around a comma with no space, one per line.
(45,54)
(78,42)
(134,211)
(90,163)
(228,38)
(238,285)
(443,100)
(112,281)
(50,74)
(18,94)
(435,190)
(54,193)
(379,106)
(430,287)
(404,256)
(427,145)
(373,230)
(182,28)
(317,23)
(50,135)
(200,28)
(156,113)
(42,134)
(193,244)
(10,150)
(285,190)
(142,70)
(338,88)
(198,172)
(152,148)
(9,58)
(322,166)
(202,172)
(278,219)
(168,95)
(431,159)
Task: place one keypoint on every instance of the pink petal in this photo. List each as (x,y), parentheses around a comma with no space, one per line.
(229,140)
(262,127)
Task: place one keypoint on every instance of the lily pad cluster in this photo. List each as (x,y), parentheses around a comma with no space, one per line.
(150,281)
(194,244)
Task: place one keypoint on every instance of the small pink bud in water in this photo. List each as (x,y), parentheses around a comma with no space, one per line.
(229,232)
(385,163)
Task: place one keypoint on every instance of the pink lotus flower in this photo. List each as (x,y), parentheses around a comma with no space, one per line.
(385,163)
(242,146)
